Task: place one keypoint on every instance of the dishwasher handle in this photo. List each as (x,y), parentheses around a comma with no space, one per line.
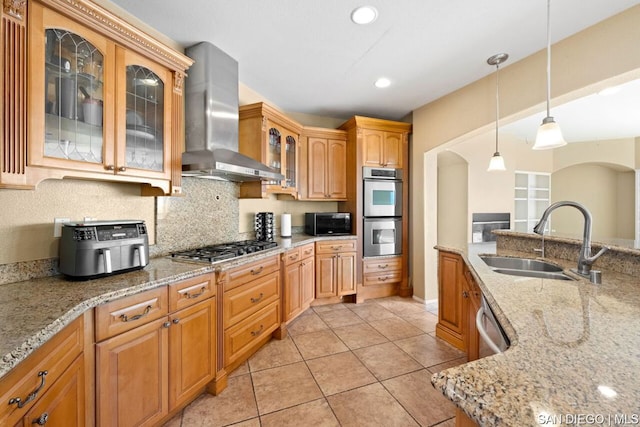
(483,331)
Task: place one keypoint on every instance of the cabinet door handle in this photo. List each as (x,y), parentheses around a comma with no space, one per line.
(32,395)
(187,295)
(258,271)
(122,169)
(176,321)
(258,332)
(255,300)
(41,420)
(166,324)
(465,294)
(126,318)
(110,167)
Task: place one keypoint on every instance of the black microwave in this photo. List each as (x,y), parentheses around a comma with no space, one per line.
(327,223)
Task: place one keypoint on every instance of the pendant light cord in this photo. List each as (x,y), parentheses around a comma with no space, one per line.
(497,101)
(548,56)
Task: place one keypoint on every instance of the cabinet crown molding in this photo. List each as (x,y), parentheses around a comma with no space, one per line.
(89,13)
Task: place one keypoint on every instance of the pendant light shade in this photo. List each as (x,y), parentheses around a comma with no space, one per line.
(549,134)
(497,161)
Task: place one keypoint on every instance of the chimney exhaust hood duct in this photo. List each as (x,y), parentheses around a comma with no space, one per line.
(211,120)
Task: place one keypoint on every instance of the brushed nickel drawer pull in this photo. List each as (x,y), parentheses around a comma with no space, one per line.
(126,318)
(258,271)
(187,295)
(258,332)
(255,300)
(41,420)
(383,266)
(32,395)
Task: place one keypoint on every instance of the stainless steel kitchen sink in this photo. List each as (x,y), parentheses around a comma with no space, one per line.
(525,267)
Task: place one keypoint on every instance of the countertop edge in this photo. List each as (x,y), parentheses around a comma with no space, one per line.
(34,341)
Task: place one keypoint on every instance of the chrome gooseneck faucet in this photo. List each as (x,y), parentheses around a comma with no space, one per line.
(585,259)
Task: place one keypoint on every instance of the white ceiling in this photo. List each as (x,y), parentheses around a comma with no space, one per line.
(307,56)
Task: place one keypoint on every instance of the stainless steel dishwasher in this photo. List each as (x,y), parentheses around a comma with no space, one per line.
(493,340)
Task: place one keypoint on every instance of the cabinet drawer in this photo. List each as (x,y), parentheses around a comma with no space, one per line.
(298,254)
(37,373)
(383,278)
(333,246)
(242,336)
(382,265)
(241,275)
(307,251)
(130,312)
(243,301)
(191,291)
(291,256)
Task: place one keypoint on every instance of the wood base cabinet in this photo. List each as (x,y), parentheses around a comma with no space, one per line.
(335,268)
(450,325)
(251,308)
(459,298)
(381,277)
(299,280)
(53,385)
(152,360)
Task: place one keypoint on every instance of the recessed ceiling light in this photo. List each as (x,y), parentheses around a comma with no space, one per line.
(382,82)
(364,15)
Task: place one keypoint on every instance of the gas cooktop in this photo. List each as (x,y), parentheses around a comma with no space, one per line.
(210,254)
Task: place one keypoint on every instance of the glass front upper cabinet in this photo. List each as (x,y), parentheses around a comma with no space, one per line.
(74,93)
(144,119)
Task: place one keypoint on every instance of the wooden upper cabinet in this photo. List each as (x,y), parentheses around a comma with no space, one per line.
(267,135)
(326,164)
(104,102)
(381,149)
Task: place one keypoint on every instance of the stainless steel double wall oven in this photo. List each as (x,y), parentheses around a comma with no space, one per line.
(382,188)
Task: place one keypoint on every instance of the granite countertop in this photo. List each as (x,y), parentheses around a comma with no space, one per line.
(574,355)
(33,311)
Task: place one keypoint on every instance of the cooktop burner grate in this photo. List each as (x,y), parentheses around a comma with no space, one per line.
(223,251)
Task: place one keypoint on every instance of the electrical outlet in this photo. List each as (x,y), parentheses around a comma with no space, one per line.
(57,226)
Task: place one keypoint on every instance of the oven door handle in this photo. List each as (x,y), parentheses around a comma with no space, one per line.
(483,332)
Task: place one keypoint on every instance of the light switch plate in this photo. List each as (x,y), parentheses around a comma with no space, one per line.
(57,226)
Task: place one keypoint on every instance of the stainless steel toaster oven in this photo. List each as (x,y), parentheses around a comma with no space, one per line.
(101,248)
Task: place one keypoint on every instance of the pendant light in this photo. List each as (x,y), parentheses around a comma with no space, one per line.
(497,161)
(549,133)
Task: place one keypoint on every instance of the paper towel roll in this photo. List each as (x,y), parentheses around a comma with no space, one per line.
(285,225)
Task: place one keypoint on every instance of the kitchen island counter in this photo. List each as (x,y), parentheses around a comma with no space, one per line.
(574,355)
(33,311)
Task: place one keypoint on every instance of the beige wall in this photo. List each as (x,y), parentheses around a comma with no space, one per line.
(26,217)
(607,193)
(593,59)
(453,179)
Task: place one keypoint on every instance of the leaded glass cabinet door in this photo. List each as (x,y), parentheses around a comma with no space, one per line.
(68,88)
(144,110)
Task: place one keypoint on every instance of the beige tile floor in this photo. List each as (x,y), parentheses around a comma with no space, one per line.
(365,364)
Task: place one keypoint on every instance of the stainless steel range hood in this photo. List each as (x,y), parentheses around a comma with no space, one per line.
(211,120)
